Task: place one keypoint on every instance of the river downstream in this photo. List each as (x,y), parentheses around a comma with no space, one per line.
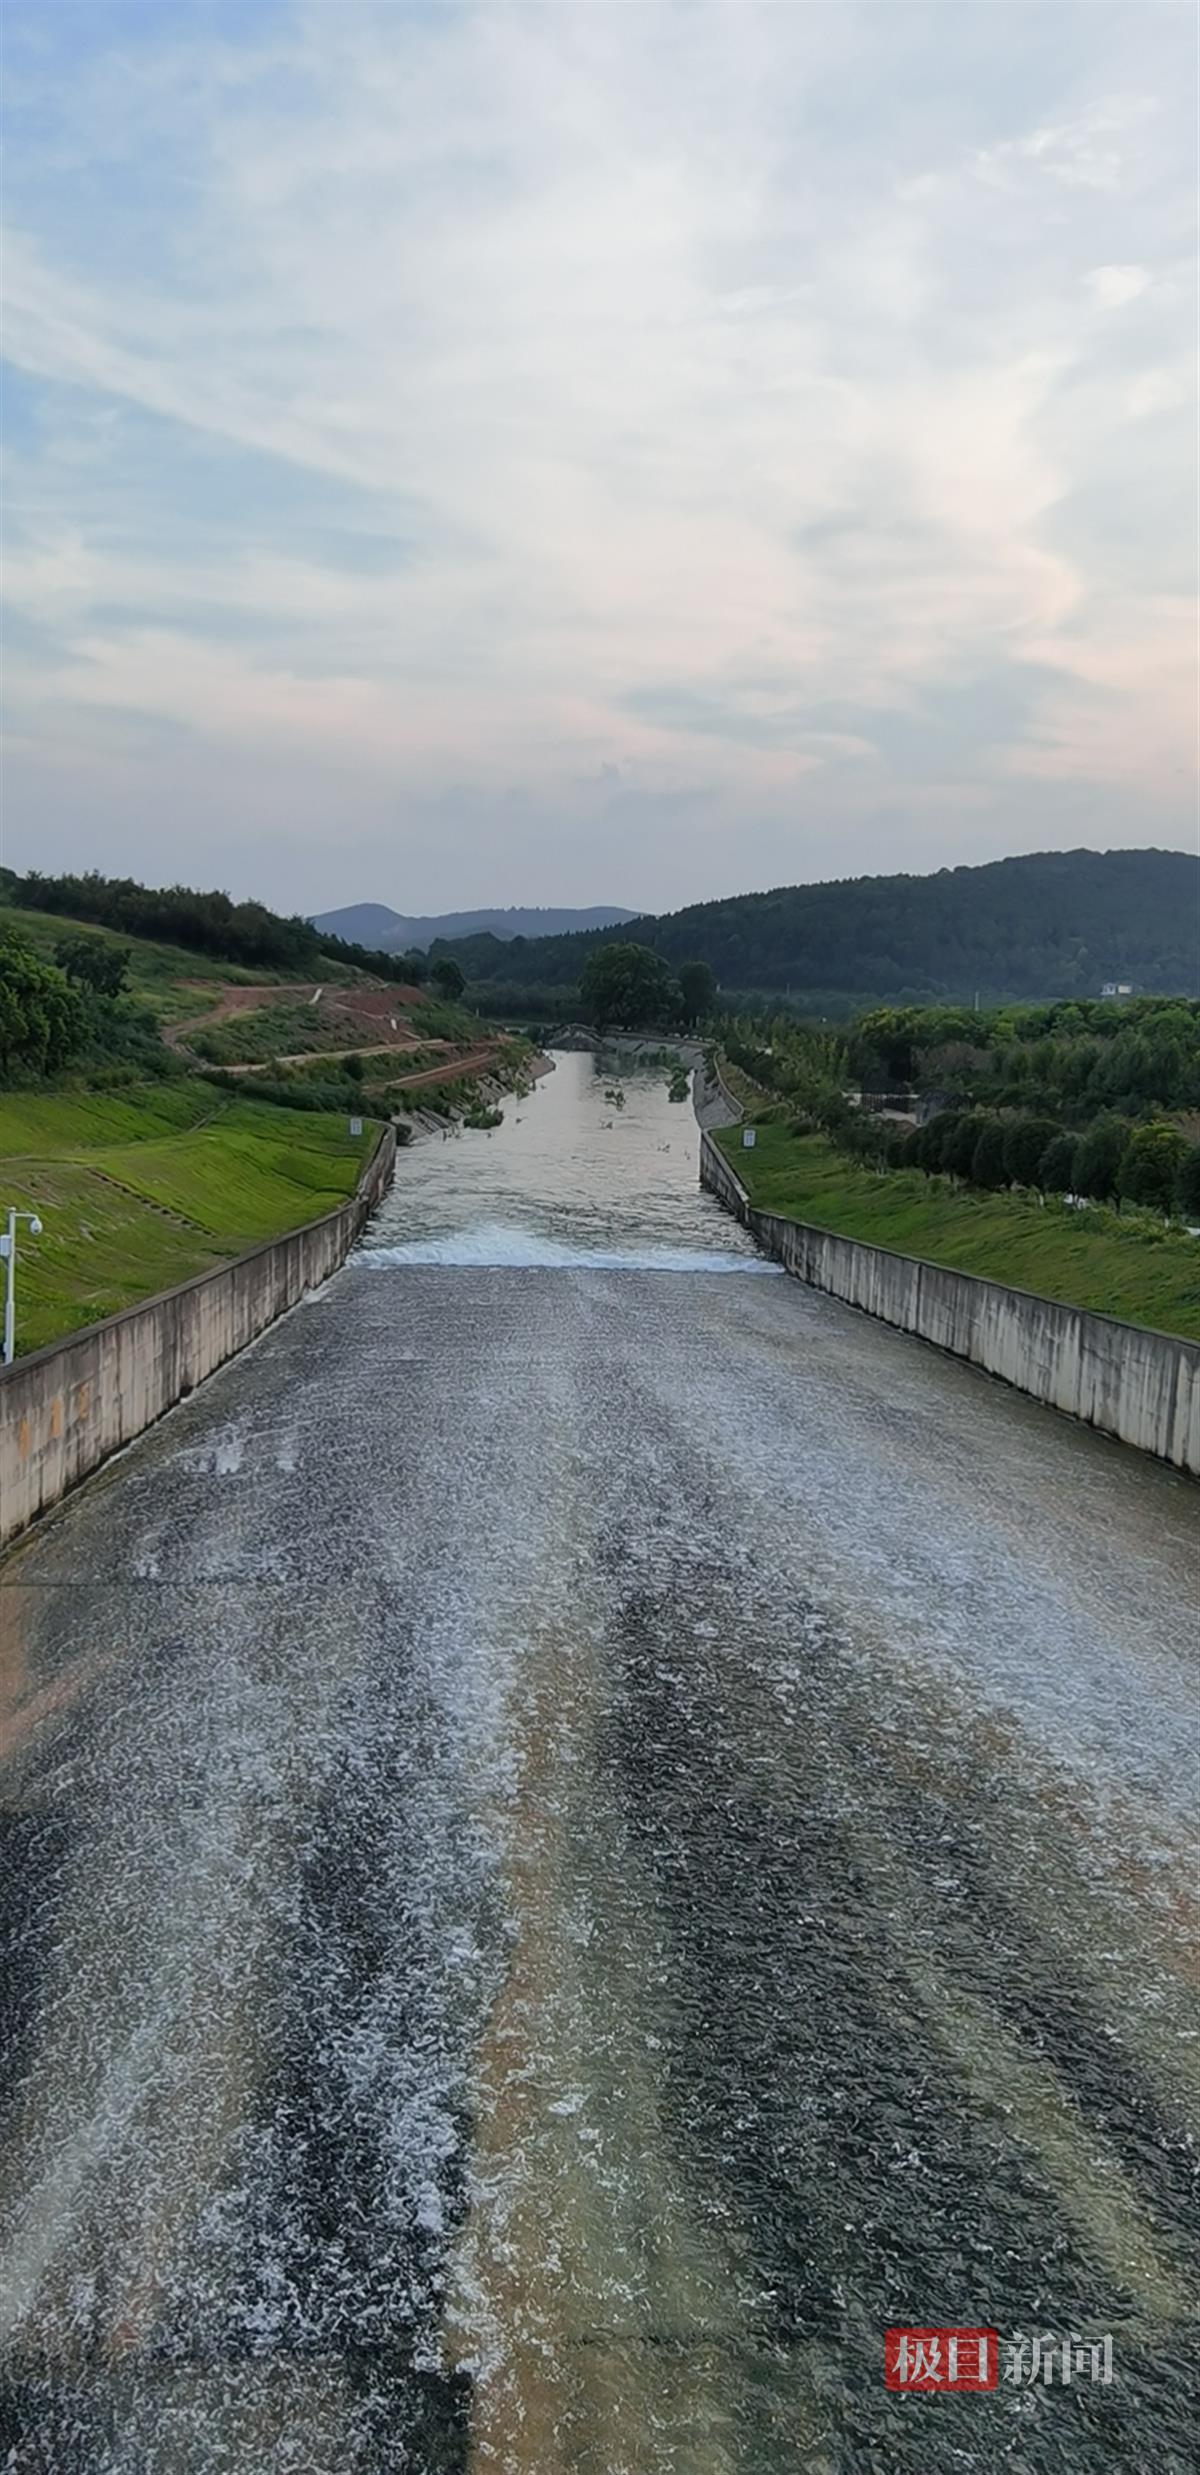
(584,1831)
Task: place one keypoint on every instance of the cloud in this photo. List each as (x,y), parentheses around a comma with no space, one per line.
(430,414)
(1112,286)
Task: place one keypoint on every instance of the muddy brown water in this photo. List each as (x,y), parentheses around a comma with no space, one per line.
(582,1831)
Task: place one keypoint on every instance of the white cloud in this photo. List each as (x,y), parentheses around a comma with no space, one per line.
(1113,286)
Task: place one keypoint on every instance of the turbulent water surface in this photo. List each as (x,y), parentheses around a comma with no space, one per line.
(584,1830)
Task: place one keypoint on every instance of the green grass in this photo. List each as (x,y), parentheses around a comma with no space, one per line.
(284,1030)
(159,974)
(223,1174)
(1126,1265)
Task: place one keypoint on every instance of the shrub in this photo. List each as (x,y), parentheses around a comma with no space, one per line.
(91,962)
(865,1139)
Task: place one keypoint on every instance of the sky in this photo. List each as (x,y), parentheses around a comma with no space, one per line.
(595,454)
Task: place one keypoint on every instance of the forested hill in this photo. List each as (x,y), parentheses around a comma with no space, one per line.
(1057,923)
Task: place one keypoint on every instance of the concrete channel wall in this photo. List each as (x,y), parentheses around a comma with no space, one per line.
(65,1408)
(1142,1387)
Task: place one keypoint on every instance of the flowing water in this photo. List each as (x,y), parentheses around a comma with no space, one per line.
(576,1180)
(583,1831)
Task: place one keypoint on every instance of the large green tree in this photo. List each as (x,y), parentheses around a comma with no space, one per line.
(1098,1158)
(1025,1143)
(93,962)
(448,977)
(627,986)
(697,990)
(1056,1173)
(1151,1165)
(987,1165)
(43,1022)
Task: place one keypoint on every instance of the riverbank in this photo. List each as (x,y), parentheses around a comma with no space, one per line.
(483,1095)
(140,1189)
(1107,1263)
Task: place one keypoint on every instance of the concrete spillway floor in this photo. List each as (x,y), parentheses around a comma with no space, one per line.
(576,1843)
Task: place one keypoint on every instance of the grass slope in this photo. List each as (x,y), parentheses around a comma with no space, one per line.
(173,981)
(140,1190)
(1112,1264)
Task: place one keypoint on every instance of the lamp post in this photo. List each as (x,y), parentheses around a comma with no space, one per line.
(8,1249)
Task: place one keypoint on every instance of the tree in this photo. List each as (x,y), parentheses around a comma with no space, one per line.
(987,1166)
(1098,1158)
(1056,1175)
(628,985)
(42,1019)
(697,990)
(90,962)
(353,1068)
(1150,1166)
(448,978)
(898,1146)
(1187,1193)
(1025,1141)
(944,1131)
(414,967)
(958,1149)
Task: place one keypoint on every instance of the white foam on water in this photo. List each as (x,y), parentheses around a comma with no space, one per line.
(498,1244)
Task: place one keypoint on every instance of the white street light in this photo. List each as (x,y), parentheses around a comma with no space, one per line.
(8,1251)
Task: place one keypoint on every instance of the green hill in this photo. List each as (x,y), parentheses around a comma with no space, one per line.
(1053,924)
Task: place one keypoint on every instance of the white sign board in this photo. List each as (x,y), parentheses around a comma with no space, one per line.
(748,1138)
(356,1125)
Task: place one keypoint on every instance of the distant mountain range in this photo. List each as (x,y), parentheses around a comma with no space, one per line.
(1051,924)
(392,932)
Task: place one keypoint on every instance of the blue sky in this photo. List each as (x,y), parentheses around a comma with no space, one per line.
(585,453)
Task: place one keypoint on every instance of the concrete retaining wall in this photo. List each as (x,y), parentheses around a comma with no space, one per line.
(65,1408)
(1142,1387)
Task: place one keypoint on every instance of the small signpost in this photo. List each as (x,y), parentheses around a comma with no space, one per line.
(356,1125)
(748,1138)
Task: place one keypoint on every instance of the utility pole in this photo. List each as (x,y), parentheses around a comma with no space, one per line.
(8,1250)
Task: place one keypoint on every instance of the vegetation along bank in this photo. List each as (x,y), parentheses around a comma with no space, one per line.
(1054,1148)
(182,1077)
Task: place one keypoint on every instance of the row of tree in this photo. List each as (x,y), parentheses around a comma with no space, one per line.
(203,923)
(1105,1156)
(1113,1161)
(1065,1059)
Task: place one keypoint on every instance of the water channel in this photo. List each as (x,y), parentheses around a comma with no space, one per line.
(583,1831)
